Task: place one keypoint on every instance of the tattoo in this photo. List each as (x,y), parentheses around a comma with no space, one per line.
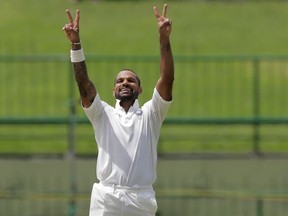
(82,91)
(168,47)
(85,86)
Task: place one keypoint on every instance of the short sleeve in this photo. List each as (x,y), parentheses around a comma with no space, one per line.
(95,109)
(158,106)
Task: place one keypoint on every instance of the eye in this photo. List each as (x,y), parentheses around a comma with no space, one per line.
(132,80)
(119,80)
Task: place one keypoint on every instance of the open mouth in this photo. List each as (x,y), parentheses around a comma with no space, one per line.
(126,90)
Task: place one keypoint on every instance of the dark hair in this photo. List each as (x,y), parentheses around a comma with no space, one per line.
(137,78)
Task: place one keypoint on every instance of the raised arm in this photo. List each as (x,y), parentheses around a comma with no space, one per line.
(86,88)
(165,83)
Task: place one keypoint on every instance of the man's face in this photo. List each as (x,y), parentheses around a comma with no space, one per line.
(126,86)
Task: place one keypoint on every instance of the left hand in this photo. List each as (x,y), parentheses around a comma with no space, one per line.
(72,28)
(164,24)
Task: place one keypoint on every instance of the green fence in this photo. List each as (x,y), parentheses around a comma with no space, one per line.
(222,104)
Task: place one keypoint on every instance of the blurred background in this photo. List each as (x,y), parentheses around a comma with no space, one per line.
(223,148)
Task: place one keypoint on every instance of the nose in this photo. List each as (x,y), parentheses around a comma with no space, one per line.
(125,82)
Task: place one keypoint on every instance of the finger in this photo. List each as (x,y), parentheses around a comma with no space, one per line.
(69,16)
(77,18)
(64,28)
(164,10)
(67,27)
(166,23)
(169,24)
(156,13)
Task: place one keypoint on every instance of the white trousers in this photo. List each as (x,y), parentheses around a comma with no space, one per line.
(112,200)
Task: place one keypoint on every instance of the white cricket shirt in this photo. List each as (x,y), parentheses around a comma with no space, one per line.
(127,142)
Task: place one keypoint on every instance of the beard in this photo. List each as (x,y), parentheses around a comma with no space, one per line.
(131,96)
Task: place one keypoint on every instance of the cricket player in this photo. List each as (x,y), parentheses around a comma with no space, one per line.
(126,134)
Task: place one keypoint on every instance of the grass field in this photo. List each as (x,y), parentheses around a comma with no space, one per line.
(200,28)
(216,92)
(183,187)
(129,28)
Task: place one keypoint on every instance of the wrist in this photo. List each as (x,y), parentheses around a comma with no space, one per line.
(76,45)
(164,40)
(77,55)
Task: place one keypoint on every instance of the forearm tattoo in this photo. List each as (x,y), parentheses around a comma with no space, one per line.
(82,79)
(168,47)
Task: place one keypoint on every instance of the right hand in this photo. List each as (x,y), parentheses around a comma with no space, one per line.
(72,29)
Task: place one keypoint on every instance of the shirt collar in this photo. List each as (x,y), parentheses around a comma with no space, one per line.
(133,108)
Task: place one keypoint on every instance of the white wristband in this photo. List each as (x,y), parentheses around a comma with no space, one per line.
(77,55)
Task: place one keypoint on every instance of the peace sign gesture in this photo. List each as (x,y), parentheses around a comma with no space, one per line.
(72,28)
(164,24)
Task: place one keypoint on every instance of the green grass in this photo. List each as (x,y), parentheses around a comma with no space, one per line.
(127,27)
(205,89)
(183,187)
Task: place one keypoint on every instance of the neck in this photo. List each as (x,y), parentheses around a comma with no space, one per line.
(126,104)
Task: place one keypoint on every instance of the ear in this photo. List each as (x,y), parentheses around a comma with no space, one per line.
(139,90)
(113,92)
